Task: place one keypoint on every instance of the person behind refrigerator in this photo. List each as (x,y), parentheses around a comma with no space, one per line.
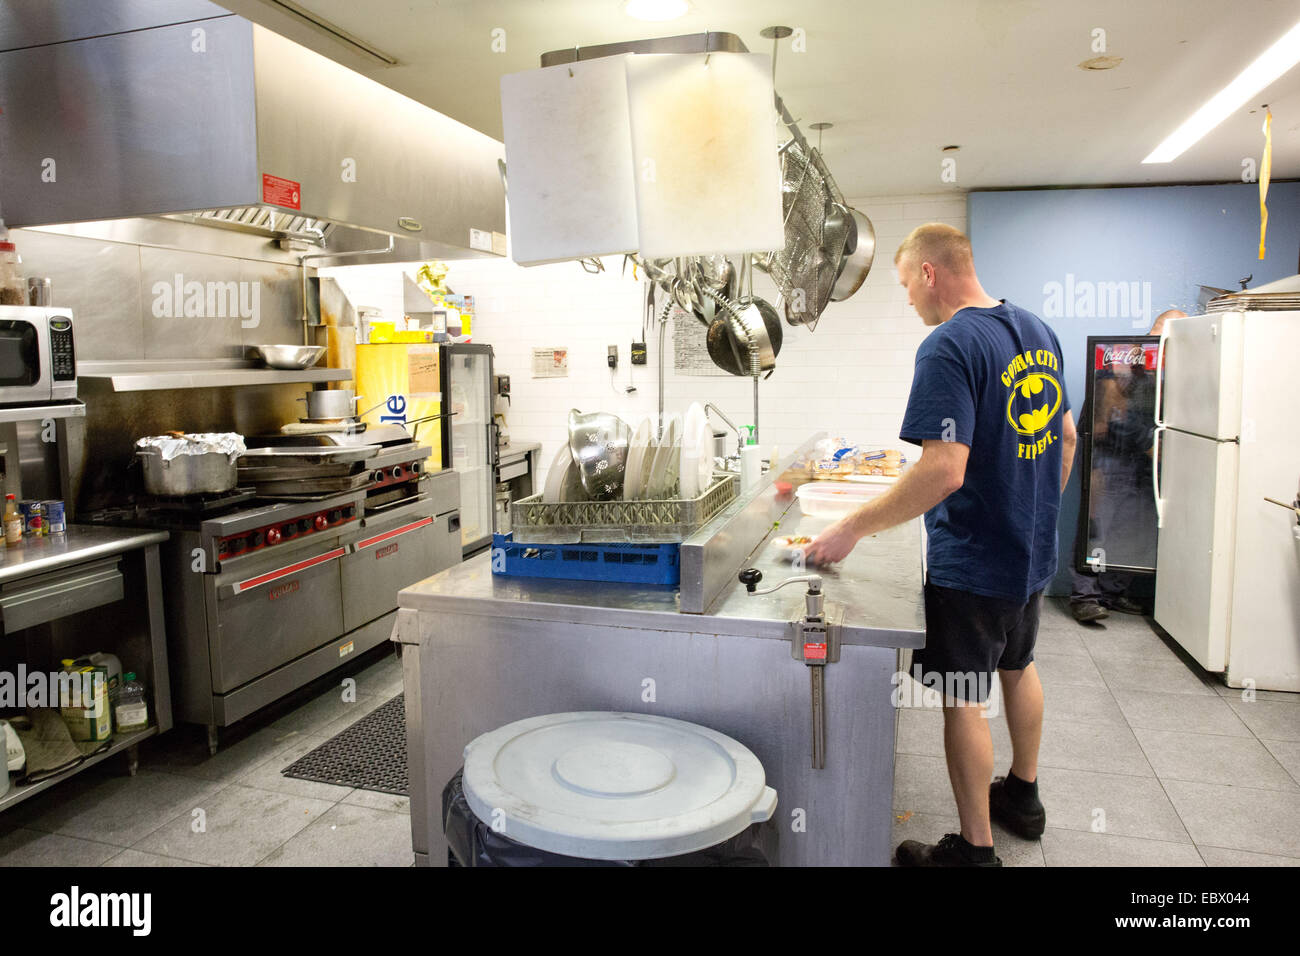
(1121,476)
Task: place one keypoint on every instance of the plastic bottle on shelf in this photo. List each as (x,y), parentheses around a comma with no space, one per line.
(13,522)
(13,287)
(132,710)
(751,461)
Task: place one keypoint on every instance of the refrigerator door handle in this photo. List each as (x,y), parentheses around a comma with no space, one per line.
(1155,475)
(1160,377)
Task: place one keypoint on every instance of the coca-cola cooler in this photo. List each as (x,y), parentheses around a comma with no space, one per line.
(1117,514)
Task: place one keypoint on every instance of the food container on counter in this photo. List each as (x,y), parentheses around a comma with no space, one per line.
(180,464)
(835,499)
(55,521)
(33,513)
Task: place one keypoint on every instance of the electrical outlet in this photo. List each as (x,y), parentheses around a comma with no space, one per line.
(638,353)
(612,360)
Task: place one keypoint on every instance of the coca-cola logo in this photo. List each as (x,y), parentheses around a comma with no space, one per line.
(1132,355)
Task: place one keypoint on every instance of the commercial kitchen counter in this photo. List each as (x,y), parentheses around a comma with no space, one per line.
(483,650)
(89,588)
(79,543)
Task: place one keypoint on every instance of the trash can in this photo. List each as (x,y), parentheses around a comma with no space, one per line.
(608,789)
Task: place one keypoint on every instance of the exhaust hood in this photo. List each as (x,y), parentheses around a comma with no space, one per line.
(201,117)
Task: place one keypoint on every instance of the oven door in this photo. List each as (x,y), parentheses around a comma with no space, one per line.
(24,356)
(273,608)
(394,549)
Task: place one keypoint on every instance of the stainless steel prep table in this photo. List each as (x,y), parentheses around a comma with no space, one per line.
(46,579)
(485,650)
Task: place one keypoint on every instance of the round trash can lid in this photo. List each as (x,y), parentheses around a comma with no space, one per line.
(614,786)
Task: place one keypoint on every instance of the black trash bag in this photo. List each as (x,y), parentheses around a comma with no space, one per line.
(471,842)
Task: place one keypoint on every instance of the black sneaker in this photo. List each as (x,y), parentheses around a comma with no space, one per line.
(1023,820)
(1088,611)
(948,851)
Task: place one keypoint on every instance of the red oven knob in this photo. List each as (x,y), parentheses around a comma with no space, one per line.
(321,523)
(273,536)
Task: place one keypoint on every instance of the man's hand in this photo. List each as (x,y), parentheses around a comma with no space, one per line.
(940,471)
(833,544)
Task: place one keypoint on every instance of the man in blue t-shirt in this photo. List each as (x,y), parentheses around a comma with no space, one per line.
(989,408)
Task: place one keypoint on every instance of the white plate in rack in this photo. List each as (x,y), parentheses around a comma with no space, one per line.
(555,477)
(697,452)
(640,455)
(663,473)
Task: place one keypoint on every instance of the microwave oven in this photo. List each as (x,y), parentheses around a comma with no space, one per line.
(37,360)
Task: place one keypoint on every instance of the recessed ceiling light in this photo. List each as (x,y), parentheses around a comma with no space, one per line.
(656,9)
(1101,63)
(1272,63)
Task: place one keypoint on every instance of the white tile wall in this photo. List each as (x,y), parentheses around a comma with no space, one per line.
(850,377)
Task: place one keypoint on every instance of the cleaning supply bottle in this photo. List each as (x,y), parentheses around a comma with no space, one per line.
(751,461)
(132,712)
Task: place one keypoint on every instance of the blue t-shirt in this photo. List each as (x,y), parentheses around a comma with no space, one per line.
(993,379)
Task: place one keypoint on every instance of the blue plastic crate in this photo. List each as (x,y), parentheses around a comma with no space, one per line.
(627,563)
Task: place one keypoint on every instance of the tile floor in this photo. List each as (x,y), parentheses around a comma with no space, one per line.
(1145,761)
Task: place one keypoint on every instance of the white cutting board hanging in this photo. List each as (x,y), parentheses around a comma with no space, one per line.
(650,153)
(569,161)
(704,142)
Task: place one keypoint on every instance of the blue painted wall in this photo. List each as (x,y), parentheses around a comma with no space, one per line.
(1161,243)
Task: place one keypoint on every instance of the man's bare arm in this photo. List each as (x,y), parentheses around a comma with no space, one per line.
(1069,440)
(940,471)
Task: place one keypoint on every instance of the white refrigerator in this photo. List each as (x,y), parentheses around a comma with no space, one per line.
(1227,438)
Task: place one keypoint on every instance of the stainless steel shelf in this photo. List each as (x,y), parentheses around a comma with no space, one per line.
(146,381)
(27,413)
(18,794)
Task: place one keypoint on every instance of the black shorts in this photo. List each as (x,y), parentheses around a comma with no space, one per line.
(969,636)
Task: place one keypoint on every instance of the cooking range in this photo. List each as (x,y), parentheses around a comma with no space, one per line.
(276,582)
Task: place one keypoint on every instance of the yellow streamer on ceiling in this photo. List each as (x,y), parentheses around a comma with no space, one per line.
(1265,171)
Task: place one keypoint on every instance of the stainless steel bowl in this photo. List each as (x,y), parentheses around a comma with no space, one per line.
(599,443)
(288,356)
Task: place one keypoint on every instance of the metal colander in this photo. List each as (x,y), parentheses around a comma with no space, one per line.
(806,269)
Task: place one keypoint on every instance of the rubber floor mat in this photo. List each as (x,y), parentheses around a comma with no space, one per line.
(369,755)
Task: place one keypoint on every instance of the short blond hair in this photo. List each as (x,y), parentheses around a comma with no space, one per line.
(940,244)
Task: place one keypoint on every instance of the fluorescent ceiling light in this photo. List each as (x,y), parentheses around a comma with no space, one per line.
(1275,61)
(656,9)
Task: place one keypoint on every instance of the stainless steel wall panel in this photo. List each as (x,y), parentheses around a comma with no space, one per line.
(99,282)
(281,303)
(174,334)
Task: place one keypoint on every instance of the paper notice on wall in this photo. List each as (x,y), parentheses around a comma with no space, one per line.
(551,363)
(691,346)
(422,370)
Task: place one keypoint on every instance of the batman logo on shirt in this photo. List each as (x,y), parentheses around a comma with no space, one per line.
(1033,403)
